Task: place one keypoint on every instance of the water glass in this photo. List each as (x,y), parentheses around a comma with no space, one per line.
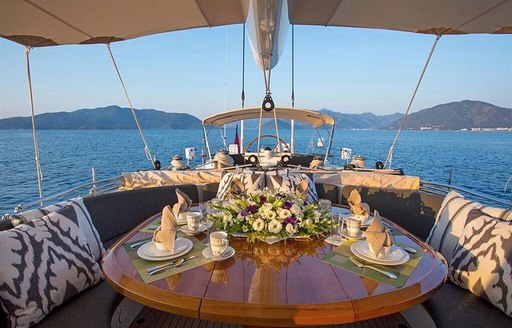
(324,205)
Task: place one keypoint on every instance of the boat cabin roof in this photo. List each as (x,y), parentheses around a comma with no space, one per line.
(314,119)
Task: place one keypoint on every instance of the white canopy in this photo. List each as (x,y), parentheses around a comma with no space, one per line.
(54,22)
(313,118)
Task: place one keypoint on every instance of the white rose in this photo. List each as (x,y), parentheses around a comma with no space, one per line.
(308,222)
(258,225)
(275,226)
(290,229)
(284,213)
(227,217)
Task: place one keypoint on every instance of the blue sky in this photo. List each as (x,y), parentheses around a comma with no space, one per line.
(344,69)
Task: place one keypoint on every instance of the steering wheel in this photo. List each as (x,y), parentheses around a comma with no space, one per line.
(283,143)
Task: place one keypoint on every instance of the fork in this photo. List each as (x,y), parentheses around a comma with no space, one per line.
(361,265)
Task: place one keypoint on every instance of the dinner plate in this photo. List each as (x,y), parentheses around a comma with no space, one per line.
(397,255)
(185,229)
(149,248)
(207,252)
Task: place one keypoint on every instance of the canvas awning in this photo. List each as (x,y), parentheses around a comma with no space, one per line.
(45,23)
(308,116)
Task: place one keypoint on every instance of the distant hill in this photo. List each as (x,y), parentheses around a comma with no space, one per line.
(360,121)
(466,114)
(343,121)
(111,117)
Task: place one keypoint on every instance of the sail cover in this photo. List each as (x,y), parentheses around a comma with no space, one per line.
(56,22)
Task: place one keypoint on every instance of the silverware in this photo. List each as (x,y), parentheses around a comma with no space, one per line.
(407,248)
(175,264)
(361,265)
(137,244)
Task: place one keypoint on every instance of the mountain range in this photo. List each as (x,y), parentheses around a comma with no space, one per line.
(466,114)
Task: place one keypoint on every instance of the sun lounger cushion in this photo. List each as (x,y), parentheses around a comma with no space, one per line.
(43,263)
(452,218)
(251,182)
(482,261)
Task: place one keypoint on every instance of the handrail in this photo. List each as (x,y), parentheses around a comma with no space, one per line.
(444,188)
(96,190)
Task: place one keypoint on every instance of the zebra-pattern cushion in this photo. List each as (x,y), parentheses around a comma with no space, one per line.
(251,183)
(43,263)
(84,222)
(482,261)
(292,183)
(453,217)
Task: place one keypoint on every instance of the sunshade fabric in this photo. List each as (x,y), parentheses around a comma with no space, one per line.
(312,118)
(55,22)
(439,17)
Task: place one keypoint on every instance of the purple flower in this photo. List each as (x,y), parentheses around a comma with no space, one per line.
(244,213)
(263,199)
(252,208)
(287,205)
(290,220)
(306,203)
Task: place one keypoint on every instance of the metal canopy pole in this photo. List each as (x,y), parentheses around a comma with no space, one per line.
(292,121)
(242,96)
(389,159)
(34,134)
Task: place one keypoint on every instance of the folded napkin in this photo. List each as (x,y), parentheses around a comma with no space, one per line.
(377,236)
(183,204)
(166,232)
(356,207)
(236,189)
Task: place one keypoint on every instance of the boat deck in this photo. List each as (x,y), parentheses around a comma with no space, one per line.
(151,318)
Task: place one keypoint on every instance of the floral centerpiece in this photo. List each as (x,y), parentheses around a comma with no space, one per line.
(264,214)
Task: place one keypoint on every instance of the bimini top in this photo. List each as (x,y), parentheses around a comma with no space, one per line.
(304,115)
(40,23)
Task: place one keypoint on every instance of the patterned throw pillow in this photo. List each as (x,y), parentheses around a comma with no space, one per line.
(84,222)
(482,261)
(250,182)
(453,217)
(43,263)
(295,183)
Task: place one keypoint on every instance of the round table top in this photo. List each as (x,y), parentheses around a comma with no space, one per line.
(283,284)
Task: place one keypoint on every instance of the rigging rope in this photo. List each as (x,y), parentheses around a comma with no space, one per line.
(389,159)
(34,134)
(147,151)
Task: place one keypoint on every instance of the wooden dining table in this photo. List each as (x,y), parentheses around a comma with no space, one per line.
(285,284)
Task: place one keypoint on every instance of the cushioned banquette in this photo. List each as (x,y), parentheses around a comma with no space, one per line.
(116,213)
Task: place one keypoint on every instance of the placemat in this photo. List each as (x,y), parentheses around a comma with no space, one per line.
(339,257)
(142,265)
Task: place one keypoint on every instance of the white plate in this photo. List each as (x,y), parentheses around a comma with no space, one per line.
(207,252)
(181,243)
(344,234)
(185,229)
(396,257)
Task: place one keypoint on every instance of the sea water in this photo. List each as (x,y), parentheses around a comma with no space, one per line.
(478,161)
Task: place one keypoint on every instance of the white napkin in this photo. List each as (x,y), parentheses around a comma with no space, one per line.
(166,232)
(183,204)
(356,207)
(377,236)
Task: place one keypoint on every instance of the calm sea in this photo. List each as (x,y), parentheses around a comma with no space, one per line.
(480,161)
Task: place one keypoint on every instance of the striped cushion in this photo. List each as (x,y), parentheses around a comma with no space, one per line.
(251,182)
(451,220)
(43,263)
(482,260)
(291,184)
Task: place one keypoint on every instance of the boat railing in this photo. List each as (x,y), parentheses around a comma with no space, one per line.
(91,188)
(441,189)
